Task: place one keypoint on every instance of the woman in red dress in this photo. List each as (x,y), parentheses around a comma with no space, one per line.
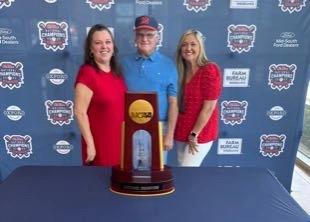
(99,99)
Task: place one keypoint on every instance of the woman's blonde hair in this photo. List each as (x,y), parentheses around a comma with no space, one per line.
(202,60)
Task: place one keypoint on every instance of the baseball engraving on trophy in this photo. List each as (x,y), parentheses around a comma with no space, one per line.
(142,150)
(142,171)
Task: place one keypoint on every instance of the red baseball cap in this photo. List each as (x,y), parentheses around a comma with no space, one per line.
(146,22)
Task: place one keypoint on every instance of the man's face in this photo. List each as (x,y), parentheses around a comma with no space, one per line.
(146,41)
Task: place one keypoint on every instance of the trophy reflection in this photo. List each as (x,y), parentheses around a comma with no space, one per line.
(142,171)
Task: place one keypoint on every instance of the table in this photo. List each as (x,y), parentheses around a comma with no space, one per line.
(76,193)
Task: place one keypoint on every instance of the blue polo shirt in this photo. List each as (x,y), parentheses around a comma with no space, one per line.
(156,73)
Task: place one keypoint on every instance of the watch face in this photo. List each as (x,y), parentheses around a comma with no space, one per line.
(193,134)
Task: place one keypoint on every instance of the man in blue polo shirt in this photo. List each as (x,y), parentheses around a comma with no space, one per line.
(149,70)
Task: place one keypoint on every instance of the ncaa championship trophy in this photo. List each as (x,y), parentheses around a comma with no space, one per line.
(142,172)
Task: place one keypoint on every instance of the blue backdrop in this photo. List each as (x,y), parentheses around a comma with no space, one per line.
(262,48)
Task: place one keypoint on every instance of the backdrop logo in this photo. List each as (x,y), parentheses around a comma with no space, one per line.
(63,147)
(11,75)
(149,2)
(197,5)
(18,146)
(56,76)
(272,144)
(53,35)
(229,146)
(100,4)
(233,112)
(59,112)
(241,37)
(243,4)
(161,35)
(276,113)
(51,1)
(236,77)
(5,31)
(292,5)
(286,40)
(5,3)
(281,76)
(7,38)
(14,113)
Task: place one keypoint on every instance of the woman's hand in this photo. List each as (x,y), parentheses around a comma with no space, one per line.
(91,154)
(192,144)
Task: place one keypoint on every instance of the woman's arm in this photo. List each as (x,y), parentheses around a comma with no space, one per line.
(82,99)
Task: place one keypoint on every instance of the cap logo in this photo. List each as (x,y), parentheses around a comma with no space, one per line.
(144,20)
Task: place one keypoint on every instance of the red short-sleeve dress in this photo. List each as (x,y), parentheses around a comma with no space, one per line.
(105,113)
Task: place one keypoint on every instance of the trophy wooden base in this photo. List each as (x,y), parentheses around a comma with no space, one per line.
(142,183)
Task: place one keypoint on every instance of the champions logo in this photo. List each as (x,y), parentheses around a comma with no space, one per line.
(100,4)
(233,112)
(141,111)
(53,35)
(241,37)
(18,146)
(292,5)
(281,76)
(59,112)
(272,145)
(5,3)
(11,75)
(197,5)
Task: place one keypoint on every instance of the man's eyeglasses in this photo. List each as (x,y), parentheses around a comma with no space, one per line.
(148,35)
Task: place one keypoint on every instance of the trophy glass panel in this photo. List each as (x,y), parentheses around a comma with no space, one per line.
(142,150)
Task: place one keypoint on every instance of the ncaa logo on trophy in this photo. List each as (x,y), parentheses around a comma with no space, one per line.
(142,172)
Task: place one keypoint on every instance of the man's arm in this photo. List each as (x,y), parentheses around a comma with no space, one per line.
(172,119)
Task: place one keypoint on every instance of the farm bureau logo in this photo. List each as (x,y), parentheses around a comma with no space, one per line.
(233,112)
(281,76)
(241,37)
(292,5)
(100,4)
(11,75)
(236,77)
(59,112)
(53,35)
(197,5)
(18,145)
(5,3)
(272,144)
(229,146)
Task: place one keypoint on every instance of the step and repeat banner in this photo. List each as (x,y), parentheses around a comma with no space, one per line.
(262,48)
